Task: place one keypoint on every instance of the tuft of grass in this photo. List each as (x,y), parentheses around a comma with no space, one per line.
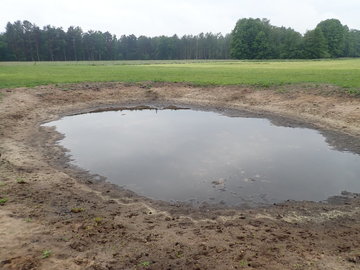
(145,264)
(2,184)
(20,180)
(98,220)
(3,201)
(46,254)
(354,91)
(178,254)
(77,210)
(243,263)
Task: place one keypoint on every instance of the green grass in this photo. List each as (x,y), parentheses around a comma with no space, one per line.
(20,180)
(77,210)
(145,264)
(46,254)
(3,201)
(343,72)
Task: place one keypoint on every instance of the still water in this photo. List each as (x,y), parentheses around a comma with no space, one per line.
(196,156)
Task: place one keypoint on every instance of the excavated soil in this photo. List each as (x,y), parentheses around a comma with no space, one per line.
(55,216)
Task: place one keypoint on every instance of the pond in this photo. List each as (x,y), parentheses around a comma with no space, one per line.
(202,156)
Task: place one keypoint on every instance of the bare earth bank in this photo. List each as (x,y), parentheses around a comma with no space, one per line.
(59,217)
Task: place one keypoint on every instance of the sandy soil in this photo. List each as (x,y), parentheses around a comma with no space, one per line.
(54,216)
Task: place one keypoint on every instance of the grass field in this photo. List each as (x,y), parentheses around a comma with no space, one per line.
(344,72)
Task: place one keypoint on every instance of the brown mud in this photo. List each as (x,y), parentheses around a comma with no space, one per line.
(55,216)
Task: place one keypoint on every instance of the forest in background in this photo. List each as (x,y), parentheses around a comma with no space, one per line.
(250,39)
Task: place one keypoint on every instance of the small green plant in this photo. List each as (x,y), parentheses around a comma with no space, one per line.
(77,210)
(3,201)
(243,263)
(2,184)
(298,266)
(28,220)
(20,180)
(178,254)
(46,254)
(145,264)
(98,220)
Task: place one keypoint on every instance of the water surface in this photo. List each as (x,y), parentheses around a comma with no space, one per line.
(197,156)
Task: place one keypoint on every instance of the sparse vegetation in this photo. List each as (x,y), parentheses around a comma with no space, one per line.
(3,201)
(20,180)
(98,220)
(354,91)
(46,254)
(243,263)
(77,210)
(179,254)
(145,264)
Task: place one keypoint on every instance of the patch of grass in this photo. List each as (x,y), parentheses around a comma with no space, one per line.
(2,184)
(145,264)
(354,91)
(98,220)
(46,254)
(243,263)
(3,201)
(264,74)
(89,227)
(20,180)
(77,210)
(178,254)
(28,220)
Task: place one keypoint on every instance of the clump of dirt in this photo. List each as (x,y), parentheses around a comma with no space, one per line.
(55,216)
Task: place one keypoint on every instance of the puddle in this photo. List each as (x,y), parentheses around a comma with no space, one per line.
(196,156)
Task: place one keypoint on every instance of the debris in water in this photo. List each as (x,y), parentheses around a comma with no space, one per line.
(249,179)
(221,181)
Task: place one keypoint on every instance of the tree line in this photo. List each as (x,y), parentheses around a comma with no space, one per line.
(250,39)
(258,39)
(24,41)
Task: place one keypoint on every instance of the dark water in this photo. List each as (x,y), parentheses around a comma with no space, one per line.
(196,156)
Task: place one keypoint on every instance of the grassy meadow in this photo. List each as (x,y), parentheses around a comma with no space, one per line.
(343,72)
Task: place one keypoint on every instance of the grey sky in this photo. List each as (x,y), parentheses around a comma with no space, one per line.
(168,17)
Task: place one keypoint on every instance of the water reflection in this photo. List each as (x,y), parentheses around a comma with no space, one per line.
(197,156)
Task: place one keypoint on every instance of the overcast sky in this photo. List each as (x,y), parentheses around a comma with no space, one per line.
(168,17)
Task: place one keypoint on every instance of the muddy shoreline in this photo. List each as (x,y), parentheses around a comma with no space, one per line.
(87,223)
